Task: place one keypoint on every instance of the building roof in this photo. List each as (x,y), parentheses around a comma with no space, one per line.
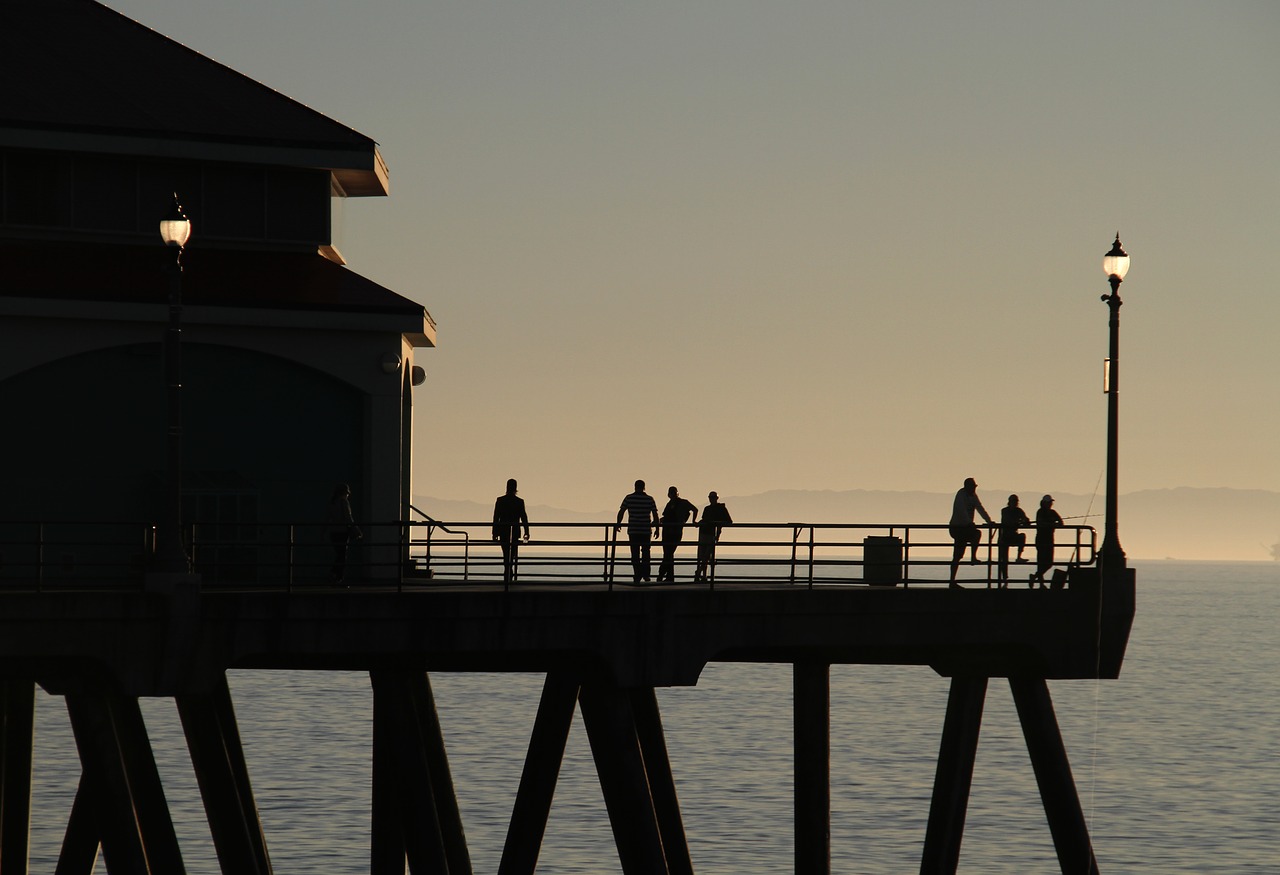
(112,274)
(82,77)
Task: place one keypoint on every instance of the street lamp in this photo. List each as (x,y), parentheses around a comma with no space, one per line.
(1115,264)
(171,555)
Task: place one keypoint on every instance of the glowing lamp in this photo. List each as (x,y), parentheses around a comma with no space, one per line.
(175,227)
(1116,262)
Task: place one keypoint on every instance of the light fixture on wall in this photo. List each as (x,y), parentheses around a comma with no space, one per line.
(390,363)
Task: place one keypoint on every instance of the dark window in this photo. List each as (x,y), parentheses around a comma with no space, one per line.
(107,194)
(298,205)
(234,203)
(37,189)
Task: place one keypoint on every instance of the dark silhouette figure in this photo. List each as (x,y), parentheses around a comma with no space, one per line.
(1047,520)
(714,516)
(342,529)
(1012,518)
(674,515)
(642,516)
(963,531)
(508,516)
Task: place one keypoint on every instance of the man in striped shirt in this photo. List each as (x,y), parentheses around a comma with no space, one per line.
(642,518)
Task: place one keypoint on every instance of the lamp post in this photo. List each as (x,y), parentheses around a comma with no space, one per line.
(1115,264)
(171,555)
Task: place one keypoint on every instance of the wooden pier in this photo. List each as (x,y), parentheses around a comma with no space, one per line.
(603,649)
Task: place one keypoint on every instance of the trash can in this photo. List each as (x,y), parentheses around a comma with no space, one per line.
(882,560)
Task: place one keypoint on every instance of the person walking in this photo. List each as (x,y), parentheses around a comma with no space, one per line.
(342,529)
(1012,518)
(674,516)
(642,517)
(963,531)
(1047,519)
(714,517)
(508,515)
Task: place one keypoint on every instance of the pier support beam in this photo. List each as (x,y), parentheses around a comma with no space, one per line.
(123,784)
(415,808)
(213,738)
(541,771)
(610,721)
(954,776)
(662,785)
(812,723)
(17,734)
(80,843)
(1053,774)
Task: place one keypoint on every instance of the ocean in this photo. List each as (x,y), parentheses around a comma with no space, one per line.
(1177,762)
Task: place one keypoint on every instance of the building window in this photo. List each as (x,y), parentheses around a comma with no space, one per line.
(37,189)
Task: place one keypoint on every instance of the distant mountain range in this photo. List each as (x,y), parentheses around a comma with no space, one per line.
(1181,523)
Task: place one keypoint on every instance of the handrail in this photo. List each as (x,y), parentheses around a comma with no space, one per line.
(408,554)
(743,555)
(426,562)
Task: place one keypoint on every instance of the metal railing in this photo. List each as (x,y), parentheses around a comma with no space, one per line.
(791,553)
(430,552)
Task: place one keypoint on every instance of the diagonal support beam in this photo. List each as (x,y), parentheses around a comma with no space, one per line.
(1053,774)
(662,785)
(80,843)
(415,809)
(541,771)
(128,802)
(213,738)
(954,776)
(428,735)
(611,730)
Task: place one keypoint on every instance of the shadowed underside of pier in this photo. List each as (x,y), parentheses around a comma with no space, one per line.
(603,651)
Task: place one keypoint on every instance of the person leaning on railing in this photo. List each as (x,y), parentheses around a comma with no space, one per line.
(1047,519)
(714,516)
(674,516)
(1012,518)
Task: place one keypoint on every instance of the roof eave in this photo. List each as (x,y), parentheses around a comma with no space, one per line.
(360,170)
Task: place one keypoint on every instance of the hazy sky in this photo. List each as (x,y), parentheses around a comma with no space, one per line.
(816,245)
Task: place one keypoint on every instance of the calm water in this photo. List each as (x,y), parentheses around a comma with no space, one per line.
(1177,762)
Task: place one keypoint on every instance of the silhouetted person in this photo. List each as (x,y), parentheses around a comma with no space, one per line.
(1012,518)
(642,515)
(963,531)
(508,515)
(342,529)
(674,515)
(714,516)
(1047,520)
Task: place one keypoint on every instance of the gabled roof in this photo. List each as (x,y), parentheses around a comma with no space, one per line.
(81,77)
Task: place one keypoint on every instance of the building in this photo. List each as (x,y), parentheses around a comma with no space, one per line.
(297,373)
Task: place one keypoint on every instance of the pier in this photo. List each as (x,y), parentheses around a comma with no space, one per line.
(234,371)
(604,646)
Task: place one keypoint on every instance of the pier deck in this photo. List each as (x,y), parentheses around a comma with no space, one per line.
(633,636)
(102,642)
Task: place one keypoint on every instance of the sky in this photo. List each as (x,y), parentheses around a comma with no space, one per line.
(750,245)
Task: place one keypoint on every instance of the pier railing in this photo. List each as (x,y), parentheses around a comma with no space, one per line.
(416,554)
